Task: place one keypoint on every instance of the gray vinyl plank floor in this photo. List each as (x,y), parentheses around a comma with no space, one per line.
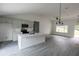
(60,46)
(54,46)
(8,47)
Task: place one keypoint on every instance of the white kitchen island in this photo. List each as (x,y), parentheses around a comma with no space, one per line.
(27,40)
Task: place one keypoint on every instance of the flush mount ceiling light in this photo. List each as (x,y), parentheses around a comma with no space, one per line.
(59,18)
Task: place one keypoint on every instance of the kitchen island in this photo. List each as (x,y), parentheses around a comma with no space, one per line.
(28,40)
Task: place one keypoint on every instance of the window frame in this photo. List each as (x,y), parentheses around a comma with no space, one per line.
(63,30)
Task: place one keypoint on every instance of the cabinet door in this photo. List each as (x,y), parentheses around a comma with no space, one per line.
(5,32)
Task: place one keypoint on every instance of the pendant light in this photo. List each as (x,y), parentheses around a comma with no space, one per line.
(59,18)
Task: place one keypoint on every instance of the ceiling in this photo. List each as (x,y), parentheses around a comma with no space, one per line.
(68,10)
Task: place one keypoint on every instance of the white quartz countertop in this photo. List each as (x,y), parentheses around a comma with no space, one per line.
(27,35)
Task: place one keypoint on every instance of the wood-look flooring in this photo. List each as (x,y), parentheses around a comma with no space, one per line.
(54,46)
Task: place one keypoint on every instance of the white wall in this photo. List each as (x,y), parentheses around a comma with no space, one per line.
(45,23)
(70,23)
(45,26)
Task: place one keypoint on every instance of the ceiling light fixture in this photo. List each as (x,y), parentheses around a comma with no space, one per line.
(59,18)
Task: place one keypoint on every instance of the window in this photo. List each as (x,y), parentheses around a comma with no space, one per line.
(76,31)
(62,29)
